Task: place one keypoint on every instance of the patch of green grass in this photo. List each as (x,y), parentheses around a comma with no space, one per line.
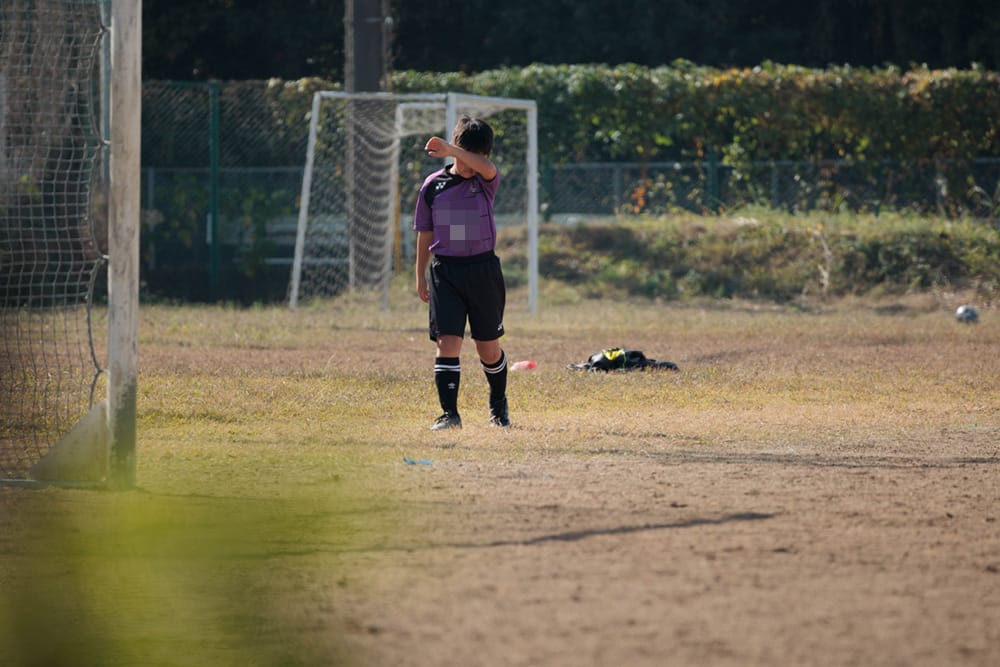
(764,254)
(169,578)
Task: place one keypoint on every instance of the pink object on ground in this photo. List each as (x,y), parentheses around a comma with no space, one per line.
(526,365)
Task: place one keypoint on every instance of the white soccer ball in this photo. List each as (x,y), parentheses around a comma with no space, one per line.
(967,314)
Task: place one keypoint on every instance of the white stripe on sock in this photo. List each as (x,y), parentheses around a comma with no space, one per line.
(499,367)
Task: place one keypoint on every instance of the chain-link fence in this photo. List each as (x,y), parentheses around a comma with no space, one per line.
(223,165)
(222,172)
(575,191)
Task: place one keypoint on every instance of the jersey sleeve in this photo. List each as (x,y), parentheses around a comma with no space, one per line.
(422,219)
(490,187)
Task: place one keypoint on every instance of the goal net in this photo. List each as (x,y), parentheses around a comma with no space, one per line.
(53,233)
(364,166)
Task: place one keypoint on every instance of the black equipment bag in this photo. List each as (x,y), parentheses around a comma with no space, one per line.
(619,358)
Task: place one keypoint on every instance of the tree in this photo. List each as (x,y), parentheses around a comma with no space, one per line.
(237,39)
(242,39)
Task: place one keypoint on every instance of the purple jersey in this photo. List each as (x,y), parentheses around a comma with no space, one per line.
(459,211)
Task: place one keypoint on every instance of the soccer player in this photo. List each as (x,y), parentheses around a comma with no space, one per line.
(458,273)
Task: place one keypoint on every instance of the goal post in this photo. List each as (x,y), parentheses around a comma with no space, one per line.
(69,219)
(123,240)
(365,162)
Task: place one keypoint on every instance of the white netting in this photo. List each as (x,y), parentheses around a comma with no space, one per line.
(49,255)
(366,165)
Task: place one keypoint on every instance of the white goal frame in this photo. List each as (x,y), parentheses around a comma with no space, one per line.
(450,102)
(87,66)
(123,241)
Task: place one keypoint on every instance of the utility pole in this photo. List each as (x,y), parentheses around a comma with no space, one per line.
(366,59)
(367,35)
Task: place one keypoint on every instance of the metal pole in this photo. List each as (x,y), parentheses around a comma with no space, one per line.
(712,189)
(300,231)
(533,210)
(365,22)
(214,249)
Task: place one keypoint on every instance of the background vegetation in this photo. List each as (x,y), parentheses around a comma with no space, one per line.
(918,117)
(909,138)
(761,254)
(593,113)
(244,39)
(642,82)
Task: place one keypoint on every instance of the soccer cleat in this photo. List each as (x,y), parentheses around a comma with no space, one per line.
(499,415)
(447,420)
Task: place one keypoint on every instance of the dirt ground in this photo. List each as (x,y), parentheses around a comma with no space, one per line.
(649,542)
(739,557)
(863,546)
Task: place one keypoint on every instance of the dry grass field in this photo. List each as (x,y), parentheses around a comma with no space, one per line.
(819,484)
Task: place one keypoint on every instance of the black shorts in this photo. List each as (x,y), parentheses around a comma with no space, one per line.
(467,289)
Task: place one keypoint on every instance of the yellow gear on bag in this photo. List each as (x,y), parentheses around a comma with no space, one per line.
(613,353)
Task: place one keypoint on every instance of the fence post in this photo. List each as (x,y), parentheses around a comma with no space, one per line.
(547,178)
(618,181)
(775,198)
(712,185)
(213,180)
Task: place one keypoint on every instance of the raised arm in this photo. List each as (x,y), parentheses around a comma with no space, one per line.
(477,162)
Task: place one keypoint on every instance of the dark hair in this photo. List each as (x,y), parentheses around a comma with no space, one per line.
(474,135)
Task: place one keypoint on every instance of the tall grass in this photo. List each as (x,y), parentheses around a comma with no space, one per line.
(767,254)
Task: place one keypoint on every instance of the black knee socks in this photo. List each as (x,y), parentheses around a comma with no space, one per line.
(447,374)
(496,375)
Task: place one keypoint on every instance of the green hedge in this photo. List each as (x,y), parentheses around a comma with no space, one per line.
(770,112)
(596,113)
(922,119)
